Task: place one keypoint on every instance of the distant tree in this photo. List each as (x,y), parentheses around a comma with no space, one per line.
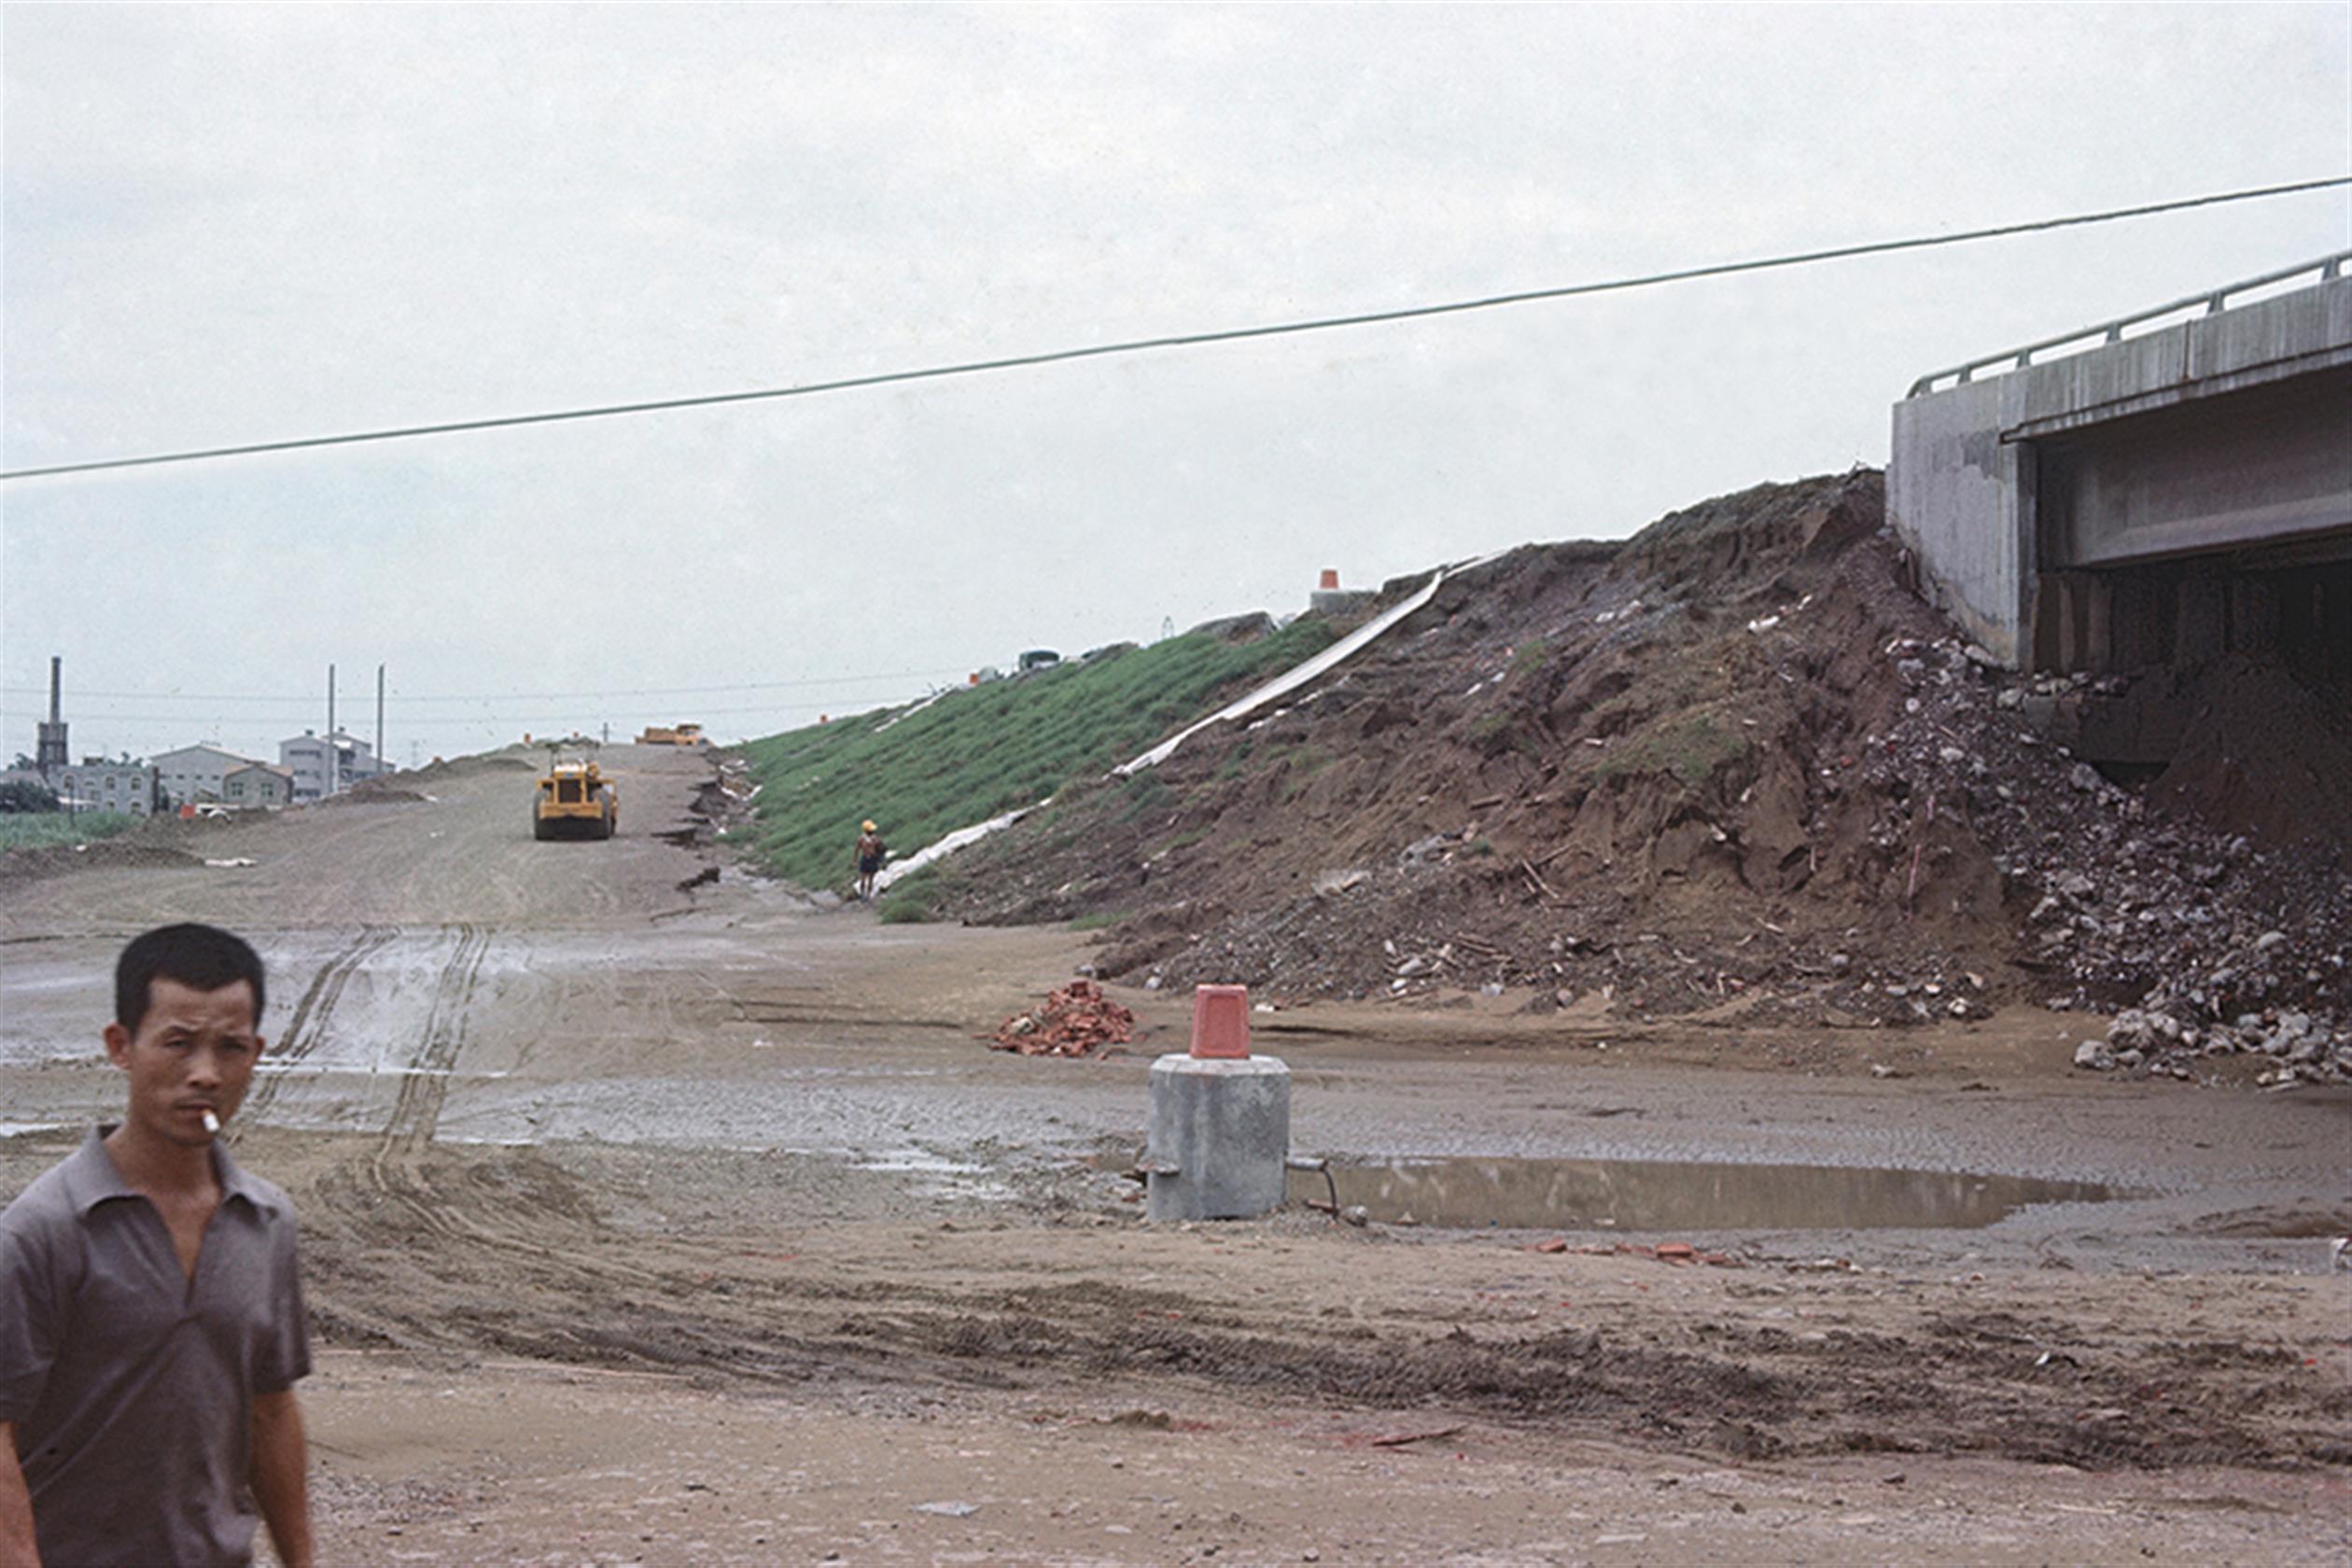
(23,794)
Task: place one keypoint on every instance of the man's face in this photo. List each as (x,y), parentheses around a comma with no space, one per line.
(193,1052)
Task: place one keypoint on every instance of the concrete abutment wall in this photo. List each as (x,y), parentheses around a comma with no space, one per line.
(2166,498)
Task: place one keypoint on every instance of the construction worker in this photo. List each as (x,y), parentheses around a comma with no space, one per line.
(871,854)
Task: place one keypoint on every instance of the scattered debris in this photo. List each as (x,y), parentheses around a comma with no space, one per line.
(1664,1251)
(1634,777)
(1077,1020)
(1398,1439)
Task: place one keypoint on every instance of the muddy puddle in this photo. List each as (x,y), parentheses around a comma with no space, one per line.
(1665,1194)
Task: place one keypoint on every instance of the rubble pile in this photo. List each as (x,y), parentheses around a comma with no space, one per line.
(2227,947)
(1077,1020)
(1736,769)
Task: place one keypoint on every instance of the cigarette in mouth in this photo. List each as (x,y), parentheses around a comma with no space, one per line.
(212,1123)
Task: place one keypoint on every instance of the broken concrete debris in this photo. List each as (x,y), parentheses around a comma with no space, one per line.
(2150,1039)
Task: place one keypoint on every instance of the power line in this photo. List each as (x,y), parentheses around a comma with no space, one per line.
(1182,340)
(424,721)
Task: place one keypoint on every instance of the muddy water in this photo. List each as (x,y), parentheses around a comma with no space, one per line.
(1678,1195)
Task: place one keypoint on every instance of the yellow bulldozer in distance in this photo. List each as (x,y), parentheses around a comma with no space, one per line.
(575,800)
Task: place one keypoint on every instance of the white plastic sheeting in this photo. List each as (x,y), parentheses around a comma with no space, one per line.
(1289,680)
(947,846)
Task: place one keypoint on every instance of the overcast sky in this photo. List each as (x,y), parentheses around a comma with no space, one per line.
(228,224)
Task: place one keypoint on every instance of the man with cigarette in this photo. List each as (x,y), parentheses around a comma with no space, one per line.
(152,1322)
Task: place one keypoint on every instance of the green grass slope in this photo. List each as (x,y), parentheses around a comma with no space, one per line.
(980,751)
(42,829)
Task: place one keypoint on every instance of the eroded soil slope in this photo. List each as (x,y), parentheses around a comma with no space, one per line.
(1734,765)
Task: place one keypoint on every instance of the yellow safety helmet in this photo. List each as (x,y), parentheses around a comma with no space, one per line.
(867,827)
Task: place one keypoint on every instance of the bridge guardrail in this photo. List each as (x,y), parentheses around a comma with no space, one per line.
(2325,269)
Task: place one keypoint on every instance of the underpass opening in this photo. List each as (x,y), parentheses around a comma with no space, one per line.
(2196,556)
(2224,685)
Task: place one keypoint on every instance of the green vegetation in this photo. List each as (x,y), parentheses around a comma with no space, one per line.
(1303,766)
(1486,726)
(23,794)
(1185,840)
(1693,746)
(1504,730)
(41,830)
(1145,792)
(983,750)
(1529,657)
(913,900)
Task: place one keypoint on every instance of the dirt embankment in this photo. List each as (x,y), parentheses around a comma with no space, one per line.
(1733,768)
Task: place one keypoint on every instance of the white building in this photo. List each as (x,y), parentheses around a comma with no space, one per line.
(96,784)
(195,774)
(93,785)
(323,766)
(257,785)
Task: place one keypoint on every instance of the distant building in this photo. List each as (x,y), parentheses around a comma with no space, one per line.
(96,784)
(323,766)
(257,785)
(194,774)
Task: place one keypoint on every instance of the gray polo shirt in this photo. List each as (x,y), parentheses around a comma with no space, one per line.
(131,1387)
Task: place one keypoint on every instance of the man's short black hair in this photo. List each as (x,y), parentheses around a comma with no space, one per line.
(202,958)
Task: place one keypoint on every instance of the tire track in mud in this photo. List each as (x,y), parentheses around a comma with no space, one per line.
(425,1079)
(311,1013)
(1956,1384)
(1953,1385)
(452,1207)
(392,1178)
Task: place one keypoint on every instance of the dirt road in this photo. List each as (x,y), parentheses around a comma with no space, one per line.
(675,1221)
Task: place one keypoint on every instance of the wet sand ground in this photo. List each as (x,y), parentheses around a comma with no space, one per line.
(674,1223)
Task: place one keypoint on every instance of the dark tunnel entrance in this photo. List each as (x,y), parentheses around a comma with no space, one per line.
(2218,682)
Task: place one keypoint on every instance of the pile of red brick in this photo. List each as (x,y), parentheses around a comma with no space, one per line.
(1077,1020)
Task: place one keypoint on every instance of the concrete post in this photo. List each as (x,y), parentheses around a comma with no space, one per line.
(1220,1120)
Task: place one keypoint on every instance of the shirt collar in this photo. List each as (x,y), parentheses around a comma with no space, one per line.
(91,1179)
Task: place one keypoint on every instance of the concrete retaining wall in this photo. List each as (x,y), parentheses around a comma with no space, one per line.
(1957,496)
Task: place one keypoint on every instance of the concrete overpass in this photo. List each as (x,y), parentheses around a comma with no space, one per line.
(2160,489)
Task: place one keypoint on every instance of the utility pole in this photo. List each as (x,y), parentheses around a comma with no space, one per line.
(379,716)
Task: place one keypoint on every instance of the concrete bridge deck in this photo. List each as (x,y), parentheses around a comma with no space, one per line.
(2135,500)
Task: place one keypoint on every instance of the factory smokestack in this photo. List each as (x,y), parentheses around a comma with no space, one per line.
(48,747)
